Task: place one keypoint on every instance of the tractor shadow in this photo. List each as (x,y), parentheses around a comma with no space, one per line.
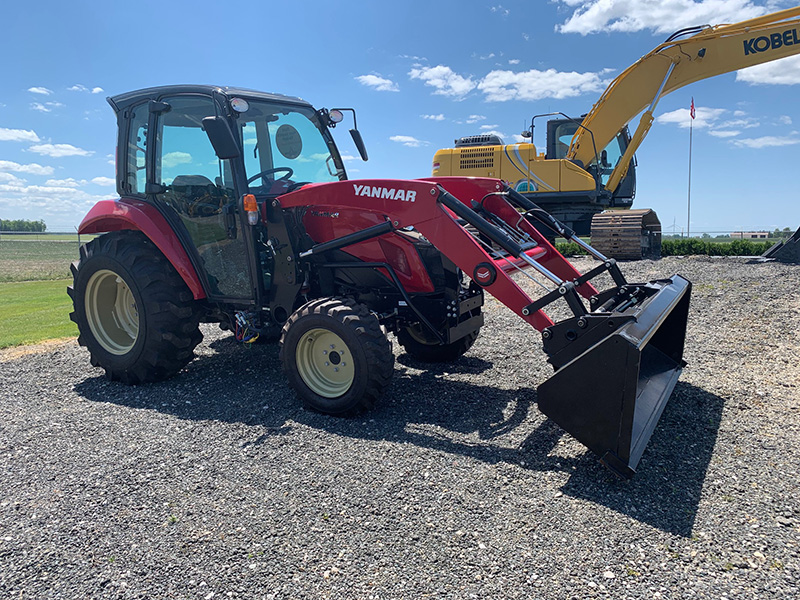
(448,408)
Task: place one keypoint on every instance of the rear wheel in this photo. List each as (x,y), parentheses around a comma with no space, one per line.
(336,356)
(135,315)
(419,343)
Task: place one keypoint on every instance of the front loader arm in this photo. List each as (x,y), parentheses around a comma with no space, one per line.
(615,365)
(430,208)
(677,63)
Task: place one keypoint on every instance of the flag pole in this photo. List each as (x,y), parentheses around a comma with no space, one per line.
(689,192)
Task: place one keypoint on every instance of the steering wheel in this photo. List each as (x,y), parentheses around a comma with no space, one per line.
(265,172)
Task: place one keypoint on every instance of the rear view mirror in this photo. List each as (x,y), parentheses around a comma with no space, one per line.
(221,137)
(359,142)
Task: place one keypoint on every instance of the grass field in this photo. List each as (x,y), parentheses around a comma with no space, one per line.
(34,305)
(32,311)
(32,260)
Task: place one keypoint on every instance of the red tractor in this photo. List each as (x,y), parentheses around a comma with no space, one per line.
(235,208)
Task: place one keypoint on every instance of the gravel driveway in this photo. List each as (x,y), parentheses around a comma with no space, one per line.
(215,484)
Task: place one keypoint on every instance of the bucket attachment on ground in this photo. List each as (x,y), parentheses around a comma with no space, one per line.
(616,368)
(787,251)
(617,358)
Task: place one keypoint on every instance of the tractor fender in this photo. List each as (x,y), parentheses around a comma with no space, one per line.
(128,213)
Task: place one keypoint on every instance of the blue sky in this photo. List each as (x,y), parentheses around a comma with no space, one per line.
(420,74)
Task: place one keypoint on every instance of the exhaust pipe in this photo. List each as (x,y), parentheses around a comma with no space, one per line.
(616,368)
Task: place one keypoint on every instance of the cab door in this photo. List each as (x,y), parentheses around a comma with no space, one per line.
(197,192)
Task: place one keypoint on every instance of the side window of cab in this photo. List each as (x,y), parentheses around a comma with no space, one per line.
(136,172)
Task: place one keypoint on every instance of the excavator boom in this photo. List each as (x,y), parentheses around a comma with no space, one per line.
(674,64)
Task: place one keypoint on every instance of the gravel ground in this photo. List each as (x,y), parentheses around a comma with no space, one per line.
(215,484)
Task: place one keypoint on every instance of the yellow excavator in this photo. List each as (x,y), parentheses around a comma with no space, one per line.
(589,163)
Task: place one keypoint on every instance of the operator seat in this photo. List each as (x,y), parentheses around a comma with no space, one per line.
(196,196)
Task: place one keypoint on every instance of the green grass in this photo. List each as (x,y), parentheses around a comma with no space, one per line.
(33,311)
(45,237)
(32,260)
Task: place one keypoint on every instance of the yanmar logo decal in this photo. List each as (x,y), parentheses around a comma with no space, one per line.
(385,193)
(773,42)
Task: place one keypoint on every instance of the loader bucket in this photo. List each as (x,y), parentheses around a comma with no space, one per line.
(609,389)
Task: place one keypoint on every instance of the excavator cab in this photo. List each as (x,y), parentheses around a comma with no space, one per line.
(559,136)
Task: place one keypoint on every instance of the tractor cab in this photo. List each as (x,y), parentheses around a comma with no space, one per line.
(195,152)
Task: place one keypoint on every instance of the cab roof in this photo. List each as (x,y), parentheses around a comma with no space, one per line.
(122,101)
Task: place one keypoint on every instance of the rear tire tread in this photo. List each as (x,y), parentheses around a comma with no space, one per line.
(171,323)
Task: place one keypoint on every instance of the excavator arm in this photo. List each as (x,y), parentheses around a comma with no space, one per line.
(679,61)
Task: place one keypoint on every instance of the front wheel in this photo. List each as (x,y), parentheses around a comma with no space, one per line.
(336,356)
(135,314)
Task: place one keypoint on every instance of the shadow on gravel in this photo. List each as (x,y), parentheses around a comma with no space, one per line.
(433,410)
(666,490)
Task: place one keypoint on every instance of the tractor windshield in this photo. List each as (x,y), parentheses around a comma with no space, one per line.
(286,146)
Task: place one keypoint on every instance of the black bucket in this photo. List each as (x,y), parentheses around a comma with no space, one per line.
(609,389)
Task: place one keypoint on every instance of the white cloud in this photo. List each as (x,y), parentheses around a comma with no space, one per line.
(409,141)
(785,71)
(767,141)
(433,117)
(499,86)
(785,120)
(488,126)
(380,84)
(706,117)
(746,123)
(499,9)
(82,88)
(658,16)
(30,169)
(9,179)
(40,90)
(499,134)
(18,135)
(444,80)
(24,201)
(513,61)
(475,118)
(724,133)
(173,159)
(40,107)
(59,150)
(70,183)
(107,181)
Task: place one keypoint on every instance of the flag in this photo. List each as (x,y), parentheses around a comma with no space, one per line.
(691,110)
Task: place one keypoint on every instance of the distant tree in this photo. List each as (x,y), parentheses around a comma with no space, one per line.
(705,236)
(22,225)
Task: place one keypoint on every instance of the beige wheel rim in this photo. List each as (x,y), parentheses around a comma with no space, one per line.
(419,333)
(325,363)
(111,312)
